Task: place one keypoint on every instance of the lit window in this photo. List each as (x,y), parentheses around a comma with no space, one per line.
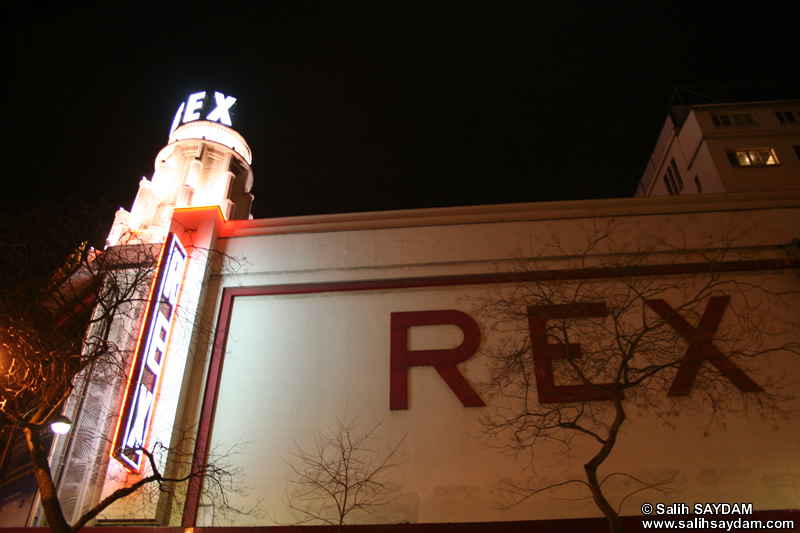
(786,117)
(752,157)
(734,119)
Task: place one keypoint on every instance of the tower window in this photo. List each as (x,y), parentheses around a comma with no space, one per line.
(676,175)
(752,157)
(698,185)
(670,190)
(672,179)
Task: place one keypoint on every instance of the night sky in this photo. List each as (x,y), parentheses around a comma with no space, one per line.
(374,105)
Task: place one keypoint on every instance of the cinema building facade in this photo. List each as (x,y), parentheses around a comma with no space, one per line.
(261,335)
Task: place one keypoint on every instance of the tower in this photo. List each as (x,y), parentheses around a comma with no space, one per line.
(205,163)
(158,252)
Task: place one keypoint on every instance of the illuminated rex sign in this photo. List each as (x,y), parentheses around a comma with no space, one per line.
(144,379)
(199,106)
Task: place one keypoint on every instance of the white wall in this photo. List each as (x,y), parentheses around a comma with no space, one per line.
(296,364)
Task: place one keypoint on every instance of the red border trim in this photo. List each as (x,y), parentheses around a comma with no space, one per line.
(231,293)
(632,524)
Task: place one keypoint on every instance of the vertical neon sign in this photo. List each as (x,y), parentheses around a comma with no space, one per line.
(139,402)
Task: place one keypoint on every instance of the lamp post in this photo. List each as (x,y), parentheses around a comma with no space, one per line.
(61,424)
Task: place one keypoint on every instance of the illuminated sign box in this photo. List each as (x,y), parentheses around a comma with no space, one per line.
(145,375)
(199,106)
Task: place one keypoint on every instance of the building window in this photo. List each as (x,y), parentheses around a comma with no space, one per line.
(674,168)
(721,120)
(734,119)
(672,179)
(670,190)
(786,117)
(752,157)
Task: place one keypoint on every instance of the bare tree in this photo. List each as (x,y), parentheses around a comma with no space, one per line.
(342,475)
(602,327)
(219,476)
(64,324)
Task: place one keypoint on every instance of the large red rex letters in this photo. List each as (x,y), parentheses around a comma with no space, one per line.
(701,349)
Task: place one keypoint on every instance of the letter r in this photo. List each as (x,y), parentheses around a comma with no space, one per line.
(444,360)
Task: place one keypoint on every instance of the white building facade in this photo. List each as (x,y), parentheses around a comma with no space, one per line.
(726,148)
(279,328)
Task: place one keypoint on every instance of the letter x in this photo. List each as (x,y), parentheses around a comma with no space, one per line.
(222,111)
(701,346)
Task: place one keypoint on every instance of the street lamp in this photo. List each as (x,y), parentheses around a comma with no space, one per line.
(61,424)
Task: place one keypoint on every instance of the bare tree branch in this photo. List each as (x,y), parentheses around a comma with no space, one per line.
(575,354)
(342,475)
